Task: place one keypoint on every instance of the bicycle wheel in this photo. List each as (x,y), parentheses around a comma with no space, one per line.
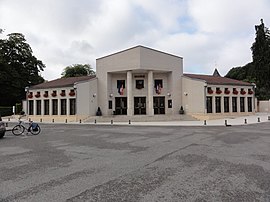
(18,130)
(36,131)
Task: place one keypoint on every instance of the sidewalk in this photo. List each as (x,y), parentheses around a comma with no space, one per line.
(243,120)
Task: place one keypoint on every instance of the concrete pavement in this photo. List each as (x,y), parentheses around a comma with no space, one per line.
(241,120)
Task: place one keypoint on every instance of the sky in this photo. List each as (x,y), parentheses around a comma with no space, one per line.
(207,34)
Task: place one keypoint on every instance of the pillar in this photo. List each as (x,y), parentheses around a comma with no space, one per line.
(50,107)
(129,94)
(59,107)
(35,107)
(150,93)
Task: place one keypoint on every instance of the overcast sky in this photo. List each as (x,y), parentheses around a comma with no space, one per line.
(206,33)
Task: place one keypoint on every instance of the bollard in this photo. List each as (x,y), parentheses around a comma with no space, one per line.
(268,118)
(245,121)
(226,123)
(95,121)
(53,120)
(40,120)
(204,122)
(259,119)
(111,121)
(8,119)
(29,119)
(129,122)
(80,121)
(6,124)
(66,120)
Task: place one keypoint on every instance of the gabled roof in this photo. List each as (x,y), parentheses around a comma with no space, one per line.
(216,80)
(139,47)
(62,82)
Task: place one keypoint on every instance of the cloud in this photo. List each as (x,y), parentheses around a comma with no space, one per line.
(205,33)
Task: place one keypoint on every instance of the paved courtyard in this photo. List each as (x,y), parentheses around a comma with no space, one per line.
(137,163)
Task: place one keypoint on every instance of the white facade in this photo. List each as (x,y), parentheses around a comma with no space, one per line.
(149,66)
(139,81)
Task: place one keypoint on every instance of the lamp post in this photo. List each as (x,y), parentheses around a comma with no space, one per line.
(26,91)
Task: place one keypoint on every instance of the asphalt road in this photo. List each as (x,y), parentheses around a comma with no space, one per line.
(122,163)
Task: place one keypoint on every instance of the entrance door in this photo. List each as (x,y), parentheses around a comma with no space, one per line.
(121,106)
(139,105)
(159,105)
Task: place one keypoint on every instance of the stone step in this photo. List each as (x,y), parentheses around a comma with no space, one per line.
(140,118)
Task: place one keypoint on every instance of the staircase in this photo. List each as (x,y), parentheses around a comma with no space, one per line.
(139,118)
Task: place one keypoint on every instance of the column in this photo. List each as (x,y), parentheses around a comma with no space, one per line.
(238,104)
(129,94)
(246,104)
(59,107)
(214,105)
(222,104)
(34,107)
(42,107)
(50,107)
(150,93)
(68,107)
(230,104)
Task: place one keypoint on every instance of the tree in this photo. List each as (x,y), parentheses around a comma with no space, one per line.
(18,68)
(242,73)
(261,60)
(78,70)
(257,71)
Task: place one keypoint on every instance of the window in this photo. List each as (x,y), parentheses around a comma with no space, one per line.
(110,104)
(249,104)
(46,107)
(63,93)
(139,84)
(158,85)
(158,82)
(46,94)
(37,95)
(218,91)
(234,104)
(242,104)
(209,104)
(54,93)
(218,104)
(121,86)
(31,107)
(38,107)
(54,107)
(72,92)
(226,104)
(72,106)
(63,107)
(169,103)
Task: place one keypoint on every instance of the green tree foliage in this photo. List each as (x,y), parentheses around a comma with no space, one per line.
(78,70)
(18,68)
(257,71)
(244,73)
(261,59)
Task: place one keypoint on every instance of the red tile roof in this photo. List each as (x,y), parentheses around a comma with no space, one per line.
(62,82)
(216,80)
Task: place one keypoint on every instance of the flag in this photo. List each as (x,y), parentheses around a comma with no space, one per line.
(121,90)
(158,89)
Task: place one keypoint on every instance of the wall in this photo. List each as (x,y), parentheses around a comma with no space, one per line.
(264,106)
(87,97)
(193,95)
(140,60)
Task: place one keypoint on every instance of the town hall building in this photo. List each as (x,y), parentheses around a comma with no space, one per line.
(139,82)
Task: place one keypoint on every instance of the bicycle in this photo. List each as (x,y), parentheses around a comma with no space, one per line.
(20,128)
